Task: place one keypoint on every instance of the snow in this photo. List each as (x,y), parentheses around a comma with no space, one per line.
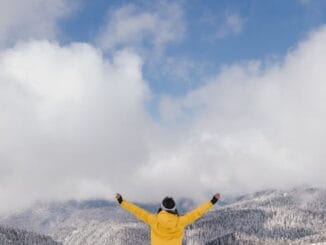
(296,216)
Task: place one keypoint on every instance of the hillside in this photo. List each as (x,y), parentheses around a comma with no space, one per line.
(11,236)
(296,216)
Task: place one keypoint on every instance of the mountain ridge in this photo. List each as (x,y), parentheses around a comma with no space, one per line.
(14,236)
(294,216)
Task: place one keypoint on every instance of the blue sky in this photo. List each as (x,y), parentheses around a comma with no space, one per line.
(268,30)
(193,97)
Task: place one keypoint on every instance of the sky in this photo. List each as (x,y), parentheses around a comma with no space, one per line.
(179,98)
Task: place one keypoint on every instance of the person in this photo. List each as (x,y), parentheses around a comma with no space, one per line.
(167,226)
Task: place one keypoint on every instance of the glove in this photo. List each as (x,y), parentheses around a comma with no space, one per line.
(119,198)
(215,198)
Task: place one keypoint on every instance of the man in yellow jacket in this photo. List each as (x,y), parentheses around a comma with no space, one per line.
(167,227)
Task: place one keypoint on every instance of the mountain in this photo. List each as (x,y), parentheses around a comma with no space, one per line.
(295,216)
(11,236)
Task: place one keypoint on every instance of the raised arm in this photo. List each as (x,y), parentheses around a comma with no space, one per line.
(198,212)
(140,213)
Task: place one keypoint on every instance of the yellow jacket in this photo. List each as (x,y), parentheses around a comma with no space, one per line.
(166,228)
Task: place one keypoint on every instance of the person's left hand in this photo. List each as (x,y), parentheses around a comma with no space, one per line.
(118,197)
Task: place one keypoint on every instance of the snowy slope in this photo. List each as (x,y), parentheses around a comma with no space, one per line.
(11,236)
(296,216)
(268,216)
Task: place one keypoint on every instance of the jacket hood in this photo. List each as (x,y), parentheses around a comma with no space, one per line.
(167,221)
(168,228)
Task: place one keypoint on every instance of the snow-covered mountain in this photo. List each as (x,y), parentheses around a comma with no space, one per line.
(11,236)
(296,216)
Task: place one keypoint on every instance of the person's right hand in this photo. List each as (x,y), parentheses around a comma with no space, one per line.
(217,196)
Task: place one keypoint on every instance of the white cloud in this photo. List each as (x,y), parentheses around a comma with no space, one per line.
(253,127)
(72,123)
(136,27)
(305,2)
(24,19)
(233,25)
(75,125)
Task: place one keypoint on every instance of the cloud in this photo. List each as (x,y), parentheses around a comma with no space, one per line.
(235,23)
(254,126)
(305,2)
(25,19)
(72,123)
(75,124)
(232,25)
(222,25)
(136,27)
